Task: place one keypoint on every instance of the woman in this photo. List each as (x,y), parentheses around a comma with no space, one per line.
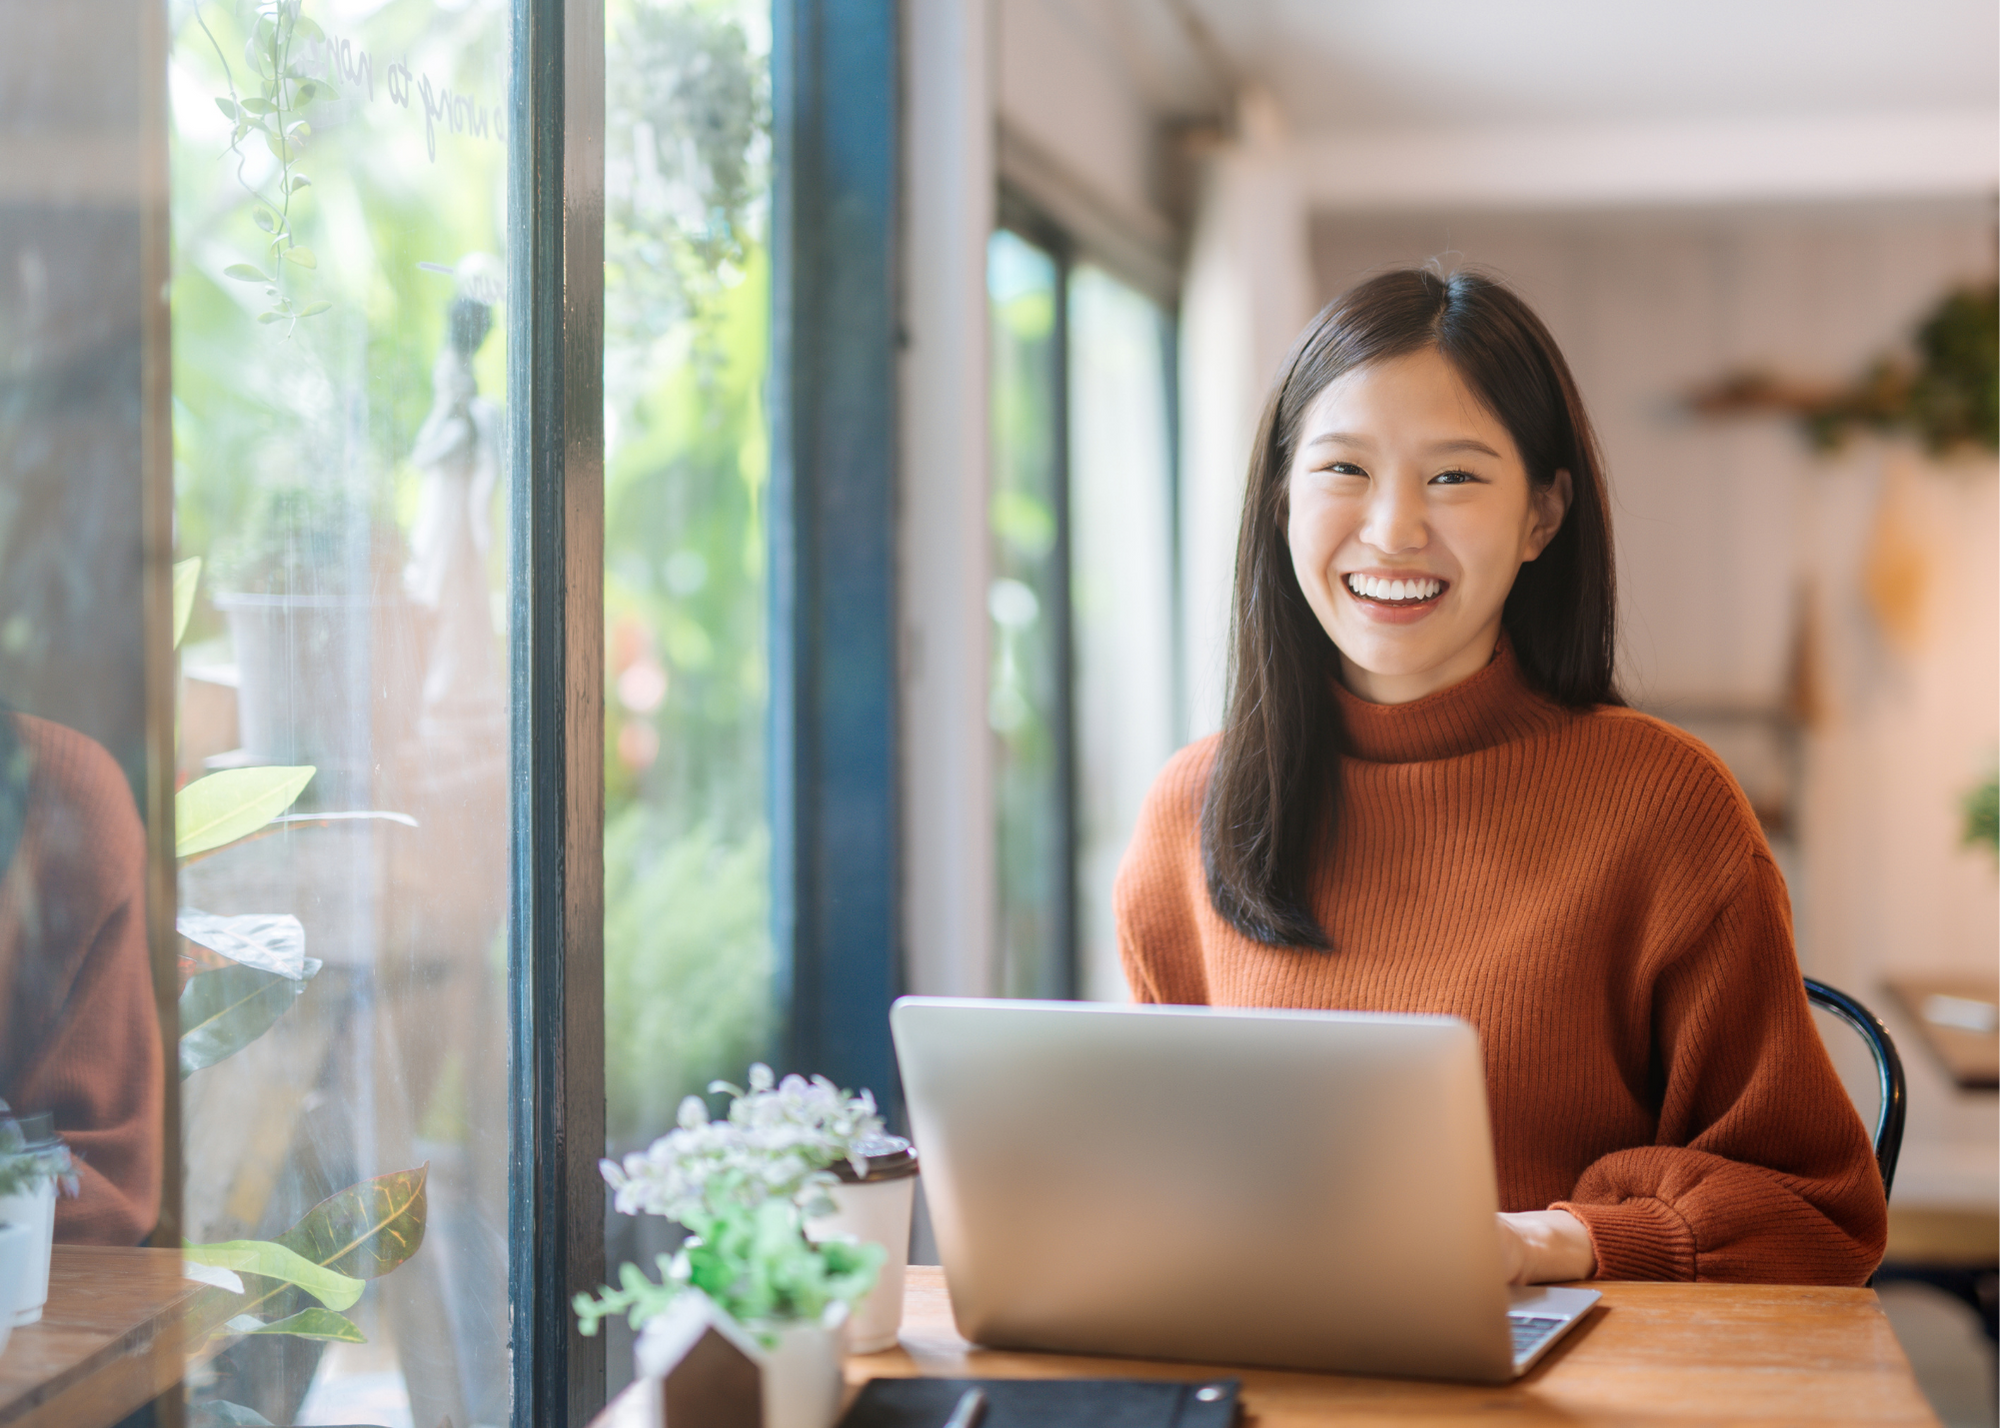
(1427,796)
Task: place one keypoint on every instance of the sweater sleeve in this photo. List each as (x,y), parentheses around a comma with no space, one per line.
(1760,1170)
(1161,889)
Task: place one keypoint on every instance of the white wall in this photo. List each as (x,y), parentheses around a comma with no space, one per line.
(1730,534)
(948,164)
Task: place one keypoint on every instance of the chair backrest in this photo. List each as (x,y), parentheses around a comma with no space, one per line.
(1888,1072)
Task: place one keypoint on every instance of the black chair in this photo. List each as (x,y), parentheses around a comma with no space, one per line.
(1888,1072)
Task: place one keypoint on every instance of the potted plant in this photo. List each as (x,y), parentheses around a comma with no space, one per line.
(745,1188)
(33,1165)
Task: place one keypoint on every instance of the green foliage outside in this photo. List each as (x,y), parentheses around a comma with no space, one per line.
(292,438)
(687,945)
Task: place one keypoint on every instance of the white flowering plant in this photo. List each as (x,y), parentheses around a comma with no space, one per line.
(744,1187)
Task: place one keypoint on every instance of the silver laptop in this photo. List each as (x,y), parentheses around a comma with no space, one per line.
(1308,1190)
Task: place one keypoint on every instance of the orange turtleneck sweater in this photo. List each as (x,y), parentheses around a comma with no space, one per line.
(1591,892)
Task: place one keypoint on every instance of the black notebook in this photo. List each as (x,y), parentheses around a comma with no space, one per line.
(1048,1403)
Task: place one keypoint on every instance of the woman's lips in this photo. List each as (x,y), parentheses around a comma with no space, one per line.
(1394,599)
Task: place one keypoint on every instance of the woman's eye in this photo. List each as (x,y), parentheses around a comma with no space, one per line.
(1343,468)
(1452,478)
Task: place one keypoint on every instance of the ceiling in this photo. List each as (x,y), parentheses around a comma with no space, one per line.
(1357,65)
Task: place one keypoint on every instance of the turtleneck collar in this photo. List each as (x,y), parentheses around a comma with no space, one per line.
(1493,707)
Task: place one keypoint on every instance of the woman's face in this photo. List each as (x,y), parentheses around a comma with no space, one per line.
(1411,511)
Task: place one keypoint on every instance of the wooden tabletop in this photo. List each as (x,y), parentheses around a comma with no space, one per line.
(109,1340)
(1664,1353)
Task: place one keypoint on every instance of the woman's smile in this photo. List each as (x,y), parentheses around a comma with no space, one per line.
(1394,597)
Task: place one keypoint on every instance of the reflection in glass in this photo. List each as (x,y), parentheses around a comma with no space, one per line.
(687,942)
(80,1057)
(338,225)
(1027,603)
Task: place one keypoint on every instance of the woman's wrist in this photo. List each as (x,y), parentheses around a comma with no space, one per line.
(1550,1245)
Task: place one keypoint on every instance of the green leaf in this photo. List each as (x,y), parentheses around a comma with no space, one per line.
(365,1230)
(266,220)
(314,309)
(300,181)
(302,256)
(219,809)
(300,131)
(279,149)
(270,317)
(244,273)
(305,26)
(275,1261)
(306,1324)
(258,106)
(228,109)
(187,575)
(225,1010)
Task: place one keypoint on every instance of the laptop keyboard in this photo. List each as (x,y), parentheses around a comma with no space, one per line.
(1531,1331)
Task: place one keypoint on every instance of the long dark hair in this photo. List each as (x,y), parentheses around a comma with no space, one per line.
(1274,789)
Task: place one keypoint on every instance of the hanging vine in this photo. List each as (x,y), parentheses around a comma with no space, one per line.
(275,113)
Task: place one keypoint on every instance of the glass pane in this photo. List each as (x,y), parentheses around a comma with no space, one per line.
(339,176)
(1122,590)
(1026,604)
(687,937)
(80,1056)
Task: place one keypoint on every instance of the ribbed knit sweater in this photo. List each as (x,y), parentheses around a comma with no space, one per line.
(1591,891)
(79,1035)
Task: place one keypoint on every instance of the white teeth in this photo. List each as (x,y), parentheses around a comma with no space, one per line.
(1373,588)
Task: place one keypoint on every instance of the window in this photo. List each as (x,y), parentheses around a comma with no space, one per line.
(361,468)
(1081,697)
(688,964)
(341,455)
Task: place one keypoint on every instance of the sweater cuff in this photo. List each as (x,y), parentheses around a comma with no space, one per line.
(1637,1239)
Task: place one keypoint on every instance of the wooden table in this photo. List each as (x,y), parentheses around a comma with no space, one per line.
(1653,1353)
(109,1340)
(1958,1018)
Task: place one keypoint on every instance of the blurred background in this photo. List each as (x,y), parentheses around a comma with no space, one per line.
(1764,233)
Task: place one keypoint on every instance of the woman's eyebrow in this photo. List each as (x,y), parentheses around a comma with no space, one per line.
(1349,438)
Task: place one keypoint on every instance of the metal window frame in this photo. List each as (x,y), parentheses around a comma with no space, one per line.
(555,381)
(1019,213)
(835,333)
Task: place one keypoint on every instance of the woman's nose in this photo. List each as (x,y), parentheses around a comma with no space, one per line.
(1395,522)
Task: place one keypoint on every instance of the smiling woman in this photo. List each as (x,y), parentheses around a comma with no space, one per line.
(1411,514)
(1427,797)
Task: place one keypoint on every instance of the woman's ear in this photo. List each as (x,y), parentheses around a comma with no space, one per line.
(1550,504)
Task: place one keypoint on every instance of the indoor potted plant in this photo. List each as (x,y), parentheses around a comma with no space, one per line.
(34,1164)
(744,1188)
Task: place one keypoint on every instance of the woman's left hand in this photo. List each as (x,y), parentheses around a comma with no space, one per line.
(1539,1246)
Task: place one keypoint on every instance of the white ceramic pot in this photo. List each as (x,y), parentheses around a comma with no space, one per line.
(875,1212)
(802,1379)
(17,1248)
(34,1213)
